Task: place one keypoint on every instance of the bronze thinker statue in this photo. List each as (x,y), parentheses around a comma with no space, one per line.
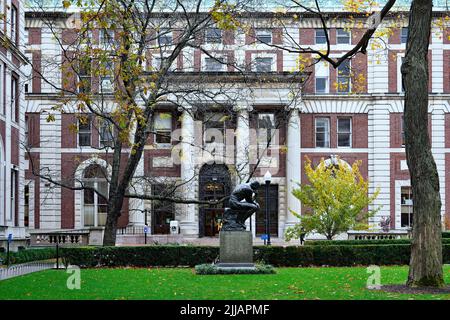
(238,211)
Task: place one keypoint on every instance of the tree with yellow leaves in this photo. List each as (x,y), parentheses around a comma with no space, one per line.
(336,199)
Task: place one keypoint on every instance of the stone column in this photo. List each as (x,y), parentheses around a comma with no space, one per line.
(136,214)
(243,149)
(188,223)
(243,141)
(293,164)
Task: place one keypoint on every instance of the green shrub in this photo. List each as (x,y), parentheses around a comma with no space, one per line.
(362,242)
(209,269)
(446,235)
(28,255)
(291,256)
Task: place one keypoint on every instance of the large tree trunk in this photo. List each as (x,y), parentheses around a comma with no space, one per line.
(114,208)
(425,267)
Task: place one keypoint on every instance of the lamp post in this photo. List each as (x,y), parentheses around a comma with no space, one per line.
(267,178)
(146,226)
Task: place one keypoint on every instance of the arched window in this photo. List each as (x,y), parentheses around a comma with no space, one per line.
(94,205)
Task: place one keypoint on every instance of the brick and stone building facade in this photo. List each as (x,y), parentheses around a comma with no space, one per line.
(12,114)
(362,121)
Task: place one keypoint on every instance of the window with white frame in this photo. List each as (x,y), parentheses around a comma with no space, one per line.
(106,133)
(214,64)
(84,75)
(13,193)
(320,36)
(263,64)
(344,132)
(321,73)
(94,196)
(343,77)
(27,130)
(165,37)
(266,129)
(213,35)
(400,84)
(406,207)
(264,35)
(163,128)
(84,131)
(106,36)
(343,36)
(322,132)
(404,35)
(214,126)
(13,22)
(106,80)
(14,98)
(156,63)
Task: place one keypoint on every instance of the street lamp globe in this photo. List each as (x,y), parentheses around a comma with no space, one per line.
(267,177)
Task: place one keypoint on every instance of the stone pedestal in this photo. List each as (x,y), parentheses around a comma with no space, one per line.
(236,250)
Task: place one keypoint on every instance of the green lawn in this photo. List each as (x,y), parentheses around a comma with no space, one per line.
(182,283)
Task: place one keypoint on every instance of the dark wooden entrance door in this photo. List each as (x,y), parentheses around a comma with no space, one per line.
(162,212)
(214,185)
(161,222)
(213,218)
(272,202)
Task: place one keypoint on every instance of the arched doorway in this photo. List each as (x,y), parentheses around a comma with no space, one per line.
(214,184)
(94,206)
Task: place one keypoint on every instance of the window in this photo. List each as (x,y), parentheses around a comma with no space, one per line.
(13,208)
(14,98)
(320,36)
(321,71)
(26,209)
(14,24)
(163,127)
(401,76)
(156,63)
(165,37)
(84,75)
(343,77)
(344,132)
(27,130)
(106,37)
(106,85)
(264,36)
(406,218)
(404,35)
(263,64)
(272,203)
(322,132)
(162,212)
(321,84)
(94,205)
(84,131)
(214,64)
(213,35)
(342,36)
(266,129)
(106,133)
(214,125)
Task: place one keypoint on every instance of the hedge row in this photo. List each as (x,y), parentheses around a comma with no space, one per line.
(292,256)
(362,242)
(446,235)
(28,255)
